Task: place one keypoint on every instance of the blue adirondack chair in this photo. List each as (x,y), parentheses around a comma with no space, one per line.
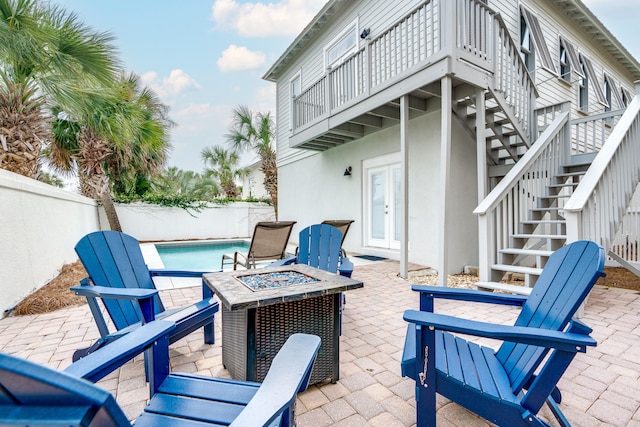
(508,386)
(320,246)
(118,275)
(35,395)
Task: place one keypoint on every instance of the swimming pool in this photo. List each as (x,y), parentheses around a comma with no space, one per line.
(205,256)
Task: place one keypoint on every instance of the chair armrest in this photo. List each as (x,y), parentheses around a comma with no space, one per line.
(572,342)
(346,267)
(179,273)
(144,298)
(99,364)
(470,295)
(284,261)
(115,293)
(289,374)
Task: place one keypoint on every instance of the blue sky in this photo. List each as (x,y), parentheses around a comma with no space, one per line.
(205,57)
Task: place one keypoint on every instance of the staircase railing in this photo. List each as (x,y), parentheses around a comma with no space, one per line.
(500,213)
(598,205)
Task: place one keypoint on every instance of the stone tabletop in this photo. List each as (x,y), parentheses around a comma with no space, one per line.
(233,288)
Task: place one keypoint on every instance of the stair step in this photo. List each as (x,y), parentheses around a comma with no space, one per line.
(570,174)
(544,221)
(539,236)
(505,287)
(551,208)
(564,184)
(527,252)
(517,269)
(555,197)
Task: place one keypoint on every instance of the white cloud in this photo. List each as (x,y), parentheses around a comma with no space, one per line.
(239,58)
(176,83)
(282,18)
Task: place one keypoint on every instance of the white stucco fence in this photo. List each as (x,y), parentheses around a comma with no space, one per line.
(159,223)
(40,225)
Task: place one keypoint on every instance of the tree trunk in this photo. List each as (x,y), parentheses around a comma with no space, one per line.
(270,182)
(23,127)
(110,211)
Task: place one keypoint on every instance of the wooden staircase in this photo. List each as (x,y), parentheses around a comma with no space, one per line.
(542,234)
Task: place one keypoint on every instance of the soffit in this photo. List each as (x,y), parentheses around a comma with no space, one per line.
(591,25)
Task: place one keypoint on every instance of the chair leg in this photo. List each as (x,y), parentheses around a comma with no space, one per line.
(209,335)
(557,412)
(425,377)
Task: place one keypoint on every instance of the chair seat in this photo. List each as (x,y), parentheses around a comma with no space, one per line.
(182,398)
(463,364)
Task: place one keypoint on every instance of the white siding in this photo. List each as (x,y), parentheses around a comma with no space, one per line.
(377,15)
(555,24)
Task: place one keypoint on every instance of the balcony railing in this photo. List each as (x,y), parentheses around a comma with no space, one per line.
(478,36)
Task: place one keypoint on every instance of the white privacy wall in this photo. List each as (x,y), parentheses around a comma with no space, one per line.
(39,226)
(159,223)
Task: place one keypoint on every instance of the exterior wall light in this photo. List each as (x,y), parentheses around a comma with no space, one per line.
(365,33)
(347,171)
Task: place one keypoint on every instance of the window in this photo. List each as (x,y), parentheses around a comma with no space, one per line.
(341,47)
(592,77)
(611,94)
(583,90)
(295,89)
(530,34)
(625,96)
(569,62)
(526,46)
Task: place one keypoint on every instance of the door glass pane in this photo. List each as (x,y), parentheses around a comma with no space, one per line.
(397,199)
(378,205)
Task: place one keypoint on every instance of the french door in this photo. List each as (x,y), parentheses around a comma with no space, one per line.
(383,206)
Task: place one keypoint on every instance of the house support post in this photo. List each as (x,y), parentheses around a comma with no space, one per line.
(485,238)
(481,144)
(404,186)
(445,167)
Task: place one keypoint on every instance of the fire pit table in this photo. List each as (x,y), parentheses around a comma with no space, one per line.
(261,308)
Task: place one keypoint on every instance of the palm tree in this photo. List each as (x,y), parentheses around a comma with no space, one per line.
(224,167)
(255,132)
(46,55)
(116,136)
(192,185)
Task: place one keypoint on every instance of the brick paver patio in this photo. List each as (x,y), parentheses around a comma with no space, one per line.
(602,387)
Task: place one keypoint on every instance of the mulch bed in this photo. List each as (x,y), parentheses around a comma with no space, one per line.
(55,294)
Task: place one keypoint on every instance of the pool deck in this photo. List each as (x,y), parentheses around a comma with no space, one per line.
(600,388)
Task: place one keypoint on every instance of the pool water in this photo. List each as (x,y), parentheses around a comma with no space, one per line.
(198,256)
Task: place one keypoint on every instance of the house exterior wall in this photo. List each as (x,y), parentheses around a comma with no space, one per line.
(314,189)
(253,184)
(555,24)
(376,15)
(312,186)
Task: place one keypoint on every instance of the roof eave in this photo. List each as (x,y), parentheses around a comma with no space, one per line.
(316,24)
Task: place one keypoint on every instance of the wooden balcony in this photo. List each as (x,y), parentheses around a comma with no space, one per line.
(460,38)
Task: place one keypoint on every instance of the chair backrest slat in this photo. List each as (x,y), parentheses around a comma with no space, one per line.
(565,282)
(114,259)
(23,381)
(319,246)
